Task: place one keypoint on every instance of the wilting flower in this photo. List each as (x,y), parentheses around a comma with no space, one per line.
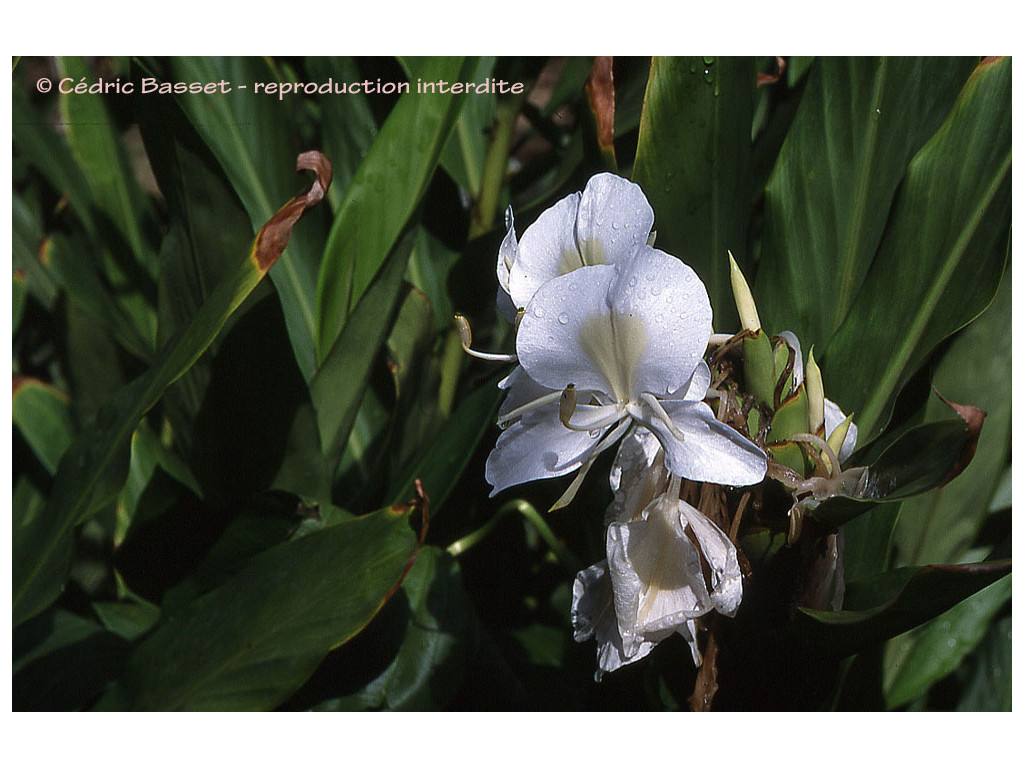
(667,564)
(605,224)
(604,347)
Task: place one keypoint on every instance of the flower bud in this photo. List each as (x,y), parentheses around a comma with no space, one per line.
(815,396)
(744,299)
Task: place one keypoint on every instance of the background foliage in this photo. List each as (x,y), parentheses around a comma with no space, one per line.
(212,471)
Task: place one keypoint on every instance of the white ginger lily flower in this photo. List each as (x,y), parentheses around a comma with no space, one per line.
(605,224)
(667,564)
(604,347)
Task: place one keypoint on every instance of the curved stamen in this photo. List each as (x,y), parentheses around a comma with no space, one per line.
(613,435)
(662,414)
(550,397)
(595,417)
(466,340)
(833,460)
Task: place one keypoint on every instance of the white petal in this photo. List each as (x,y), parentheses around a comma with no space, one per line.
(726,588)
(567,336)
(798,359)
(655,574)
(672,303)
(547,250)
(508,252)
(593,616)
(689,633)
(834,416)
(614,219)
(536,447)
(697,387)
(711,452)
(521,390)
(637,476)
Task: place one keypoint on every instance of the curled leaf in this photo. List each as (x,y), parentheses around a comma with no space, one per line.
(273,236)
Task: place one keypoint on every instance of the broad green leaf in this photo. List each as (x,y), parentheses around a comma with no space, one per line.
(337,389)
(940,261)
(62,662)
(859,123)
(442,461)
(428,667)
(891,603)
(938,648)
(251,642)
(74,271)
(27,259)
(43,416)
(346,122)
(19,292)
(693,163)
(95,146)
(867,541)
(921,459)
(384,193)
(250,136)
(127,620)
(989,678)
(92,471)
(939,527)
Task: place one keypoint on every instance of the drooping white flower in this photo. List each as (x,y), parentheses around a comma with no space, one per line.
(666,565)
(605,224)
(624,345)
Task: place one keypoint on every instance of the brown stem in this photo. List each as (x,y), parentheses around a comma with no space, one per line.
(706,686)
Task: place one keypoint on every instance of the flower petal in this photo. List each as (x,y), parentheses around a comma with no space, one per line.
(593,616)
(697,387)
(508,253)
(637,476)
(689,633)
(558,347)
(834,416)
(726,588)
(655,573)
(798,358)
(614,219)
(712,452)
(521,390)
(537,446)
(547,250)
(672,304)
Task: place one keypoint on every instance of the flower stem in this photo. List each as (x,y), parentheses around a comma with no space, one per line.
(528,511)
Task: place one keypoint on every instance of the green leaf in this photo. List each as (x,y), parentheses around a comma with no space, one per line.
(442,462)
(464,152)
(859,123)
(346,122)
(693,163)
(938,648)
(428,667)
(95,146)
(337,388)
(19,292)
(251,642)
(989,682)
(922,458)
(940,526)
(93,470)
(250,136)
(941,259)
(62,661)
(43,416)
(384,194)
(891,603)
(127,620)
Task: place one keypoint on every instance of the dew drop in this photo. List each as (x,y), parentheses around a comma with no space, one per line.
(563,318)
(951,642)
(656,290)
(615,225)
(595,433)
(878,111)
(632,282)
(538,311)
(651,275)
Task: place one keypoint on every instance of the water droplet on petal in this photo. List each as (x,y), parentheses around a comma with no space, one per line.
(563,318)
(538,311)
(615,225)
(656,290)
(595,433)
(632,282)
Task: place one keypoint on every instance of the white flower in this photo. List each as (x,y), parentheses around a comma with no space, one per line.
(604,224)
(604,347)
(667,564)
